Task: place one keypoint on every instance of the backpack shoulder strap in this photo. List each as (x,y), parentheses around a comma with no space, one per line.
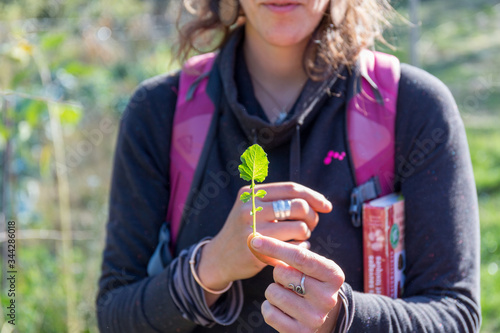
(371,118)
(192,119)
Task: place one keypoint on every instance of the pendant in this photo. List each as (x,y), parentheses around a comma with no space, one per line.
(281,118)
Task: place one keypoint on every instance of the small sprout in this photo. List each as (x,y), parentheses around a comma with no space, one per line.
(253,169)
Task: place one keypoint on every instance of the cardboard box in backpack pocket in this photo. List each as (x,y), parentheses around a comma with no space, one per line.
(383,245)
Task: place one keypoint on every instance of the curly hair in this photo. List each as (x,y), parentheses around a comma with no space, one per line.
(336,41)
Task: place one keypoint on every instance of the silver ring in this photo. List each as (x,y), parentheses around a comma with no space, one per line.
(300,290)
(282,209)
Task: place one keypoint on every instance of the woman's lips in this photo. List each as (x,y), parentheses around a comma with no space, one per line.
(281,7)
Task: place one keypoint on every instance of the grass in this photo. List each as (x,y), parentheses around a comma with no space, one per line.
(484,144)
(490,262)
(457,45)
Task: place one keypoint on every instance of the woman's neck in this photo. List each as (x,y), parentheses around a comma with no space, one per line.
(274,65)
(277,73)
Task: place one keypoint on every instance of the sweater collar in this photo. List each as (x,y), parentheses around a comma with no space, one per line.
(309,103)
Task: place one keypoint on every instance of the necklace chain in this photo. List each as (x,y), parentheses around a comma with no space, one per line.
(283,110)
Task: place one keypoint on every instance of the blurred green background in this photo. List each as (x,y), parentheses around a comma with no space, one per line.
(67,69)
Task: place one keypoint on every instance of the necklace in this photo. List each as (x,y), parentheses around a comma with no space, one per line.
(282,110)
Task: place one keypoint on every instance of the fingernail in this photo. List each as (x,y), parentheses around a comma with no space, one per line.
(256,242)
(329,204)
(306,245)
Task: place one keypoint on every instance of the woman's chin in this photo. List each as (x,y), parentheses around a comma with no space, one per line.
(286,39)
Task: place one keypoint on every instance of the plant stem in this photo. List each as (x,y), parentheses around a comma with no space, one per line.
(38,98)
(72,320)
(253,208)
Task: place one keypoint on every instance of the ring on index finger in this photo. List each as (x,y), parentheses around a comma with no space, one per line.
(282,209)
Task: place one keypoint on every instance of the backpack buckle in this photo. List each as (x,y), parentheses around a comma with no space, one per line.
(355,208)
(360,194)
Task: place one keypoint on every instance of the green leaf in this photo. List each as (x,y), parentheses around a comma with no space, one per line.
(78,69)
(20,77)
(258,209)
(5,132)
(52,41)
(33,113)
(254,164)
(70,115)
(260,193)
(245,197)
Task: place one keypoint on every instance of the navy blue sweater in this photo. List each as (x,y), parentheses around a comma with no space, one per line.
(433,172)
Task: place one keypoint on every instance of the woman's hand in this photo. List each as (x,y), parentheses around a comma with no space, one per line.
(287,311)
(227,257)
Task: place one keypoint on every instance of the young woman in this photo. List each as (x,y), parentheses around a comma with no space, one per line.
(283,77)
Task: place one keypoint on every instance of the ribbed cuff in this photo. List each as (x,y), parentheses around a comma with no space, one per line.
(189,297)
(346,314)
(159,307)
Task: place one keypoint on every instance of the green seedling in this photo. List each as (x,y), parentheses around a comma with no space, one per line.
(253,168)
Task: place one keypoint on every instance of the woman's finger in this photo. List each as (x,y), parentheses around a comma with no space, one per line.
(303,260)
(305,245)
(322,294)
(279,320)
(299,210)
(286,230)
(290,190)
(295,306)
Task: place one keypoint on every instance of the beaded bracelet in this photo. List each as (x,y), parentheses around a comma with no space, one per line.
(195,275)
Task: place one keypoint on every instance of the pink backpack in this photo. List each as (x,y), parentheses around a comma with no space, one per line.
(371,116)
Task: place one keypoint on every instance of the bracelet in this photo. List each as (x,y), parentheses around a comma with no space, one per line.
(195,276)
